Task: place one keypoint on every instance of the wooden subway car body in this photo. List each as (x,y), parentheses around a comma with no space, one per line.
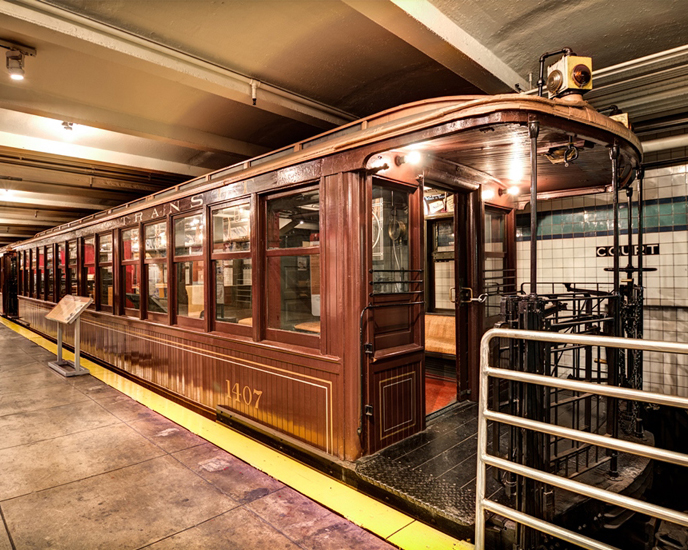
(294,290)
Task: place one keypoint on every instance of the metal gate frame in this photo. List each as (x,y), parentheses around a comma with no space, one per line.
(484,504)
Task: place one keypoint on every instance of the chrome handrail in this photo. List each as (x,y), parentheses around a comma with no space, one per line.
(484,459)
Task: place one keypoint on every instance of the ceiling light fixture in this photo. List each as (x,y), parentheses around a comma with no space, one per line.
(413,157)
(14,58)
(514,191)
(67,125)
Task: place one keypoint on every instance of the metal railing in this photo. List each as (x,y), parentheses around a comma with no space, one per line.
(484,415)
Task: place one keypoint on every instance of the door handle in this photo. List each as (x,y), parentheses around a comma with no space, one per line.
(466,294)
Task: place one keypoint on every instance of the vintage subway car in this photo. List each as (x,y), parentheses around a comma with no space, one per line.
(330,294)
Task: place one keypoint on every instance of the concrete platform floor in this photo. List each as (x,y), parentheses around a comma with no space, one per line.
(85,466)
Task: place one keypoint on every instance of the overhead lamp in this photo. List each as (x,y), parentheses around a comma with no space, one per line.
(514,191)
(67,125)
(412,157)
(14,60)
(487,194)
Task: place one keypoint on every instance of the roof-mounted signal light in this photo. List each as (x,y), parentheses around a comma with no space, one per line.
(572,74)
(581,75)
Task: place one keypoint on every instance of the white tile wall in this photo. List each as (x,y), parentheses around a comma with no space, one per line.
(666,290)
(444,282)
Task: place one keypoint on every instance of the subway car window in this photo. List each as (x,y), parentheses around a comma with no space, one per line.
(498,279)
(105,272)
(188,244)
(130,244)
(105,249)
(72,270)
(157,288)
(188,235)
(21,273)
(40,284)
(442,268)
(232,264)
(34,273)
(390,242)
(156,241)
(233,300)
(131,270)
(155,254)
(89,274)
(27,273)
(61,271)
(294,221)
(232,229)
(49,273)
(293,262)
(190,289)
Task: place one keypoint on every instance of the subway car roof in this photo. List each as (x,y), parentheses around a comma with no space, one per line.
(486,133)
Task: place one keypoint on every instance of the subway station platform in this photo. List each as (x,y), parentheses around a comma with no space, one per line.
(99,462)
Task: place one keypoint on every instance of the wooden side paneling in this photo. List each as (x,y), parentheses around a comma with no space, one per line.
(299,395)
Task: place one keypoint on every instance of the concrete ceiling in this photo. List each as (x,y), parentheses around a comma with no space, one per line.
(159,91)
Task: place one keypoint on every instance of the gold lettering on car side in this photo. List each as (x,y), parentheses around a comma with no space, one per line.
(244,395)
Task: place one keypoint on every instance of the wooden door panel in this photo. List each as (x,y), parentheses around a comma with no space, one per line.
(397,400)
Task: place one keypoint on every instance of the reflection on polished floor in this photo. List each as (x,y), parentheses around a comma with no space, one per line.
(85,466)
(439,393)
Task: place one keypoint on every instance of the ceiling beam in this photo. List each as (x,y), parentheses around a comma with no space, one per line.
(73,192)
(46,105)
(56,214)
(17,165)
(29,222)
(52,147)
(54,200)
(647,87)
(21,212)
(10,240)
(10,173)
(8,232)
(426,28)
(173,64)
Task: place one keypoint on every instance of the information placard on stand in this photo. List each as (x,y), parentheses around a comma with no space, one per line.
(66,312)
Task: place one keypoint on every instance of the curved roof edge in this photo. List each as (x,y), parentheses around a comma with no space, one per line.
(377,127)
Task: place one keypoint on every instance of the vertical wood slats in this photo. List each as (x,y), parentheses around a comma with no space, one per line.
(298,398)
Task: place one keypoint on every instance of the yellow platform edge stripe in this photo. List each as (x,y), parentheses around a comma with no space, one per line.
(395,527)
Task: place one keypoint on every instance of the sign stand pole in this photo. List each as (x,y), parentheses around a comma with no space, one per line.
(64,367)
(68,311)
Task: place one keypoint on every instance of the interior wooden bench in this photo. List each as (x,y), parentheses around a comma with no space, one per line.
(440,334)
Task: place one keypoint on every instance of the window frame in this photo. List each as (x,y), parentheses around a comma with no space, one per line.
(217,324)
(40,273)
(99,265)
(124,310)
(33,266)
(164,318)
(60,269)
(20,279)
(68,270)
(507,255)
(183,320)
(28,277)
(431,294)
(84,269)
(49,271)
(271,284)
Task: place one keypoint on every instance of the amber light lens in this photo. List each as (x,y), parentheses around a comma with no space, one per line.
(581,75)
